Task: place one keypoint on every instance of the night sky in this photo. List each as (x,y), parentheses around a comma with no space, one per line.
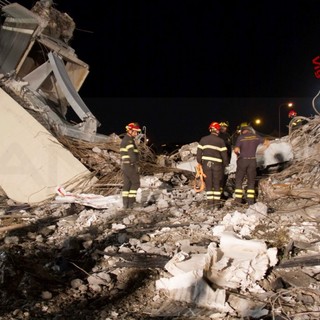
(175,66)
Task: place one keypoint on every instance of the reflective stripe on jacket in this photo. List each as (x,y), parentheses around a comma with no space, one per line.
(248,144)
(128,150)
(212,148)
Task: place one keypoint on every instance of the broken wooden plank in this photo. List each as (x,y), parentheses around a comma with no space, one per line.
(311,260)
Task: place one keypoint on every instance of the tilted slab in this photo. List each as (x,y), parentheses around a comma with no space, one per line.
(32,161)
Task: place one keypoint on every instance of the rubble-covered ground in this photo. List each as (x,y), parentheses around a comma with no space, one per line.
(69,260)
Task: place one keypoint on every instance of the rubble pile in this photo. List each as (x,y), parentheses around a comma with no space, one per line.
(301,180)
(79,255)
(172,257)
(60,25)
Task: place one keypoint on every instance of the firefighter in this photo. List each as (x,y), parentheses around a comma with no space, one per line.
(245,149)
(130,158)
(294,122)
(292,114)
(213,157)
(225,135)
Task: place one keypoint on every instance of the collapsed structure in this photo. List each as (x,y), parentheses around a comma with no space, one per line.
(40,76)
(86,260)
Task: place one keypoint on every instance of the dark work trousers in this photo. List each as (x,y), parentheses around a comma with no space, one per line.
(131,184)
(223,182)
(246,168)
(214,174)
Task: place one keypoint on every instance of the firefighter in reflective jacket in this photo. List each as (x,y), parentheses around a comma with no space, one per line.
(130,158)
(212,155)
(295,122)
(245,148)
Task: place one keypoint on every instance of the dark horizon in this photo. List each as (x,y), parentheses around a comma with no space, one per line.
(161,115)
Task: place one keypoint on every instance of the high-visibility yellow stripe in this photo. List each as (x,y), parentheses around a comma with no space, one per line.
(211,159)
(208,146)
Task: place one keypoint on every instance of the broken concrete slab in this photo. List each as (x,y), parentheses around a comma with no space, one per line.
(295,277)
(192,287)
(32,161)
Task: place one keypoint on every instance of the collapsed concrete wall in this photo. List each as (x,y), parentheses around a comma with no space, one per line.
(32,161)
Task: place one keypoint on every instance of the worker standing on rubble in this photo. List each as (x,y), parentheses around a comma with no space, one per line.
(292,114)
(213,157)
(225,135)
(245,149)
(130,158)
(295,122)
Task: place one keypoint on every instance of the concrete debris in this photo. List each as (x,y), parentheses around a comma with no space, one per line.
(301,179)
(70,251)
(239,261)
(212,254)
(90,200)
(191,287)
(24,177)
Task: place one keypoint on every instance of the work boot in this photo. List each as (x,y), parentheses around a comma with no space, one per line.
(250,202)
(125,201)
(209,204)
(236,202)
(224,195)
(131,203)
(217,205)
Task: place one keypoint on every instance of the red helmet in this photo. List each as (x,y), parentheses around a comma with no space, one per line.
(214,126)
(292,114)
(133,126)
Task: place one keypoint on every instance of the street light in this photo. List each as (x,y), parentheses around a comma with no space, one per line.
(257,121)
(289,105)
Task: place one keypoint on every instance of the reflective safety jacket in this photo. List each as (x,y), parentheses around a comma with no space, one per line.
(248,144)
(129,151)
(212,148)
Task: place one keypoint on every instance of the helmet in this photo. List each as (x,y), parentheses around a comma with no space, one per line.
(224,124)
(214,126)
(245,126)
(133,126)
(292,114)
